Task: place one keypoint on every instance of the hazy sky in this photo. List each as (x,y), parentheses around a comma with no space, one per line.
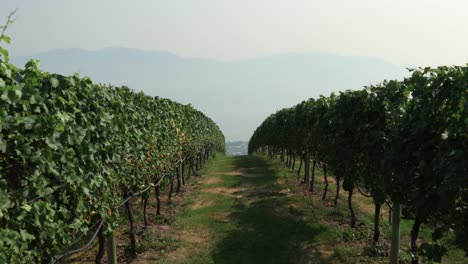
(403,32)
(416,32)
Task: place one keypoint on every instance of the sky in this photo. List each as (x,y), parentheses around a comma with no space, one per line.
(416,32)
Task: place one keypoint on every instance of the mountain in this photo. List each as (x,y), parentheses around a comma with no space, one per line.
(238,95)
(237,148)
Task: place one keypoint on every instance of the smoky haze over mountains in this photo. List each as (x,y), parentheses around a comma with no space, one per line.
(237,95)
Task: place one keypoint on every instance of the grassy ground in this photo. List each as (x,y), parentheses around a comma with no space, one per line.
(252,209)
(243,212)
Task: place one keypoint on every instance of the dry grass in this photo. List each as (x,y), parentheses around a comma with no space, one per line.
(192,241)
(201,204)
(211,180)
(239,172)
(235,192)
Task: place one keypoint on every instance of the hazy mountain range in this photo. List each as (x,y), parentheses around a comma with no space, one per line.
(237,148)
(238,95)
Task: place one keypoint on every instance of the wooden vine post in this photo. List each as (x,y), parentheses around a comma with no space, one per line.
(129,208)
(101,249)
(395,248)
(111,249)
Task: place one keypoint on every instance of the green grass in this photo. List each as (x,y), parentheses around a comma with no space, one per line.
(255,223)
(254,220)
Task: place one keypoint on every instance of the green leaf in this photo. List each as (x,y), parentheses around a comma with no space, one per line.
(26,236)
(26,207)
(4,52)
(59,127)
(18,92)
(48,191)
(3,145)
(32,99)
(52,143)
(32,64)
(5,202)
(28,122)
(54,82)
(5,96)
(6,39)
(81,137)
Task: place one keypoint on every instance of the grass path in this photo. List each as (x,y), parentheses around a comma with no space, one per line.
(242,212)
(251,209)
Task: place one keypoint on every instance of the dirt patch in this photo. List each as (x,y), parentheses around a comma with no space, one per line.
(235,192)
(327,253)
(201,204)
(363,205)
(199,236)
(191,241)
(232,173)
(164,227)
(286,192)
(212,180)
(281,181)
(159,227)
(147,257)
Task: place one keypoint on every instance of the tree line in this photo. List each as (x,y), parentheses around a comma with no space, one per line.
(402,143)
(71,151)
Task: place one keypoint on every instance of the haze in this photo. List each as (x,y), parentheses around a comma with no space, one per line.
(399,33)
